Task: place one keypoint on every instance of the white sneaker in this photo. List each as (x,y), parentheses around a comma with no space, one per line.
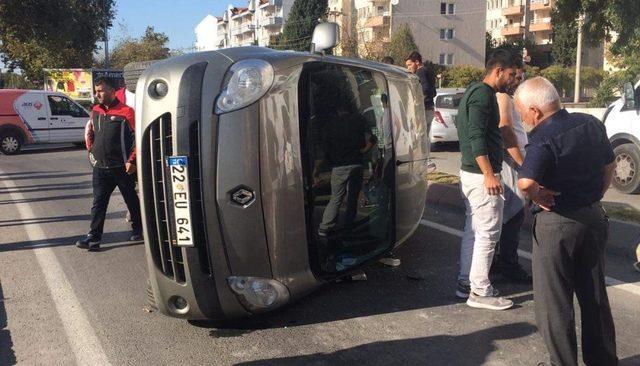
(488,302)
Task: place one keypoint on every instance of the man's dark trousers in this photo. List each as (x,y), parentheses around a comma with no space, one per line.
(568,257)
(507,248)
(104,182)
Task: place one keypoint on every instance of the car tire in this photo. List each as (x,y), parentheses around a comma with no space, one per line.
(10,142)
(626,178)
(132,72)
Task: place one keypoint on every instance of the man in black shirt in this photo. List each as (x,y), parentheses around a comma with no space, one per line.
(568,167)
(427,81)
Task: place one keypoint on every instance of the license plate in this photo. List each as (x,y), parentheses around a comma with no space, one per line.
(179,174)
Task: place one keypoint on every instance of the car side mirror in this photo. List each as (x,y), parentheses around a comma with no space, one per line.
(629,96)
(325,37)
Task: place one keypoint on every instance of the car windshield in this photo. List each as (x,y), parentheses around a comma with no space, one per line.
(448,101)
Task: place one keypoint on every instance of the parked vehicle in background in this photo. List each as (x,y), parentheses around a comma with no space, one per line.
(36,116)
(443,128)
(622,120)
(244,158)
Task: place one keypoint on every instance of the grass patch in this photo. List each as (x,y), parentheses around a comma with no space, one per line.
(622,212)
(443,178)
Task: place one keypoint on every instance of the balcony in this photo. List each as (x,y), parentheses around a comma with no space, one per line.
(512,30)
(240,15)
(513,11)
(377,21)
(542,4)
(264,4)
(273,21)
(541,25)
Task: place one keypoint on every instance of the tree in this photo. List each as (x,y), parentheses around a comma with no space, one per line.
(561,77)
(37,34)
(602,17)
(302,19)
(152,46)
(565,40)
(10,80)
(401,44)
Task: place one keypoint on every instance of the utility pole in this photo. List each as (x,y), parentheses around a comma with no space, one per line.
(106,48)
(576,89)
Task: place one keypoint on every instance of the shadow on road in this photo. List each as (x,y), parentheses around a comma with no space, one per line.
(46,220)
(445,147)
(630,361)
(47,187)
(468,349)
(37,175)
(7,356)
(111,240)
(46,199)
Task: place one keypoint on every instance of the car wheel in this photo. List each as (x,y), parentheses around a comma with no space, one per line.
(132,72)
(626,178)
(10,143)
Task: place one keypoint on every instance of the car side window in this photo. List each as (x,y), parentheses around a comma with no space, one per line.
(61,106)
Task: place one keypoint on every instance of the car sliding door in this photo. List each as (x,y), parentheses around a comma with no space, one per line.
(348,164)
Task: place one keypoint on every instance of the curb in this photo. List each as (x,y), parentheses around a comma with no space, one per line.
(623,237)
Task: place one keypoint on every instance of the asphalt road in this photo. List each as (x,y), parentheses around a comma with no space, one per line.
(447,159)
(61,305)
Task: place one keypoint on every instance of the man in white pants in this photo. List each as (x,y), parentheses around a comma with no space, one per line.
(481,149)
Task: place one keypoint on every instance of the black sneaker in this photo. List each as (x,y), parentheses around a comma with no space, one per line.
(135,236)
(89,242)
(516,274)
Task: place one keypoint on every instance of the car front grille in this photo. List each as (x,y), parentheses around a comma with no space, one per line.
(157,145)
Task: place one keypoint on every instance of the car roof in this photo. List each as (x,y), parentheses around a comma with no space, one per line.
(443,91)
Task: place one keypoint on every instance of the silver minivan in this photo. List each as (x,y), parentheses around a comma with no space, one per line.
(265,174)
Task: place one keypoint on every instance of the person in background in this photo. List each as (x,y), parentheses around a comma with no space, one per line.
(568,167)
(515,139)
(110,140)
(388,60)
(481,163)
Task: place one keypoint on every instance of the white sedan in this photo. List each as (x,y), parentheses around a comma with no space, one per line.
(443,128)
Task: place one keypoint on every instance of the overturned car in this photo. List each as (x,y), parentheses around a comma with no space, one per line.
(265,174)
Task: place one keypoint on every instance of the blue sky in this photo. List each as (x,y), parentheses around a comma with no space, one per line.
(177,18)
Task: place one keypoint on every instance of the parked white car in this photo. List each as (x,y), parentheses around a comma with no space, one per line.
(622,119)
(443,128)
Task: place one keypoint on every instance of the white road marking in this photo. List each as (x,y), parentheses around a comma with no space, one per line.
(80,334)
(610,281)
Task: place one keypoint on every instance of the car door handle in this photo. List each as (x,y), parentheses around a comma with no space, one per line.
(41,118)
(54,118)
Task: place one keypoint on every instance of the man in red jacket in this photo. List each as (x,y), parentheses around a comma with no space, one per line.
(110,139)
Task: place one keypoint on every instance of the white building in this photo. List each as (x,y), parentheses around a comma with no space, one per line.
(207,34)
(257,23)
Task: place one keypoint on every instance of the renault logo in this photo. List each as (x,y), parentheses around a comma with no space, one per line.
(243,196)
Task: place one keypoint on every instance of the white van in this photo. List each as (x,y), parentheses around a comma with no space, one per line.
(622,119)
(36,116)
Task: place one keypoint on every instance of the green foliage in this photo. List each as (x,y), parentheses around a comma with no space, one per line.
(37,34)
(461,76)
(10,80)
(401,44)
(565,40)
(561,77)
(603,17)
(152,46)
(538,58)
(610,87)
(301,21)
(531,71)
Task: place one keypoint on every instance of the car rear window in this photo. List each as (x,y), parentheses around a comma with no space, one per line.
(448,101)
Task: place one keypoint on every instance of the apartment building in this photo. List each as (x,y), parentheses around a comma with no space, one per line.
(447,32)
(256,23)
(509,20)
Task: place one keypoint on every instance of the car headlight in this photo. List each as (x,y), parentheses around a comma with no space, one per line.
(245,82)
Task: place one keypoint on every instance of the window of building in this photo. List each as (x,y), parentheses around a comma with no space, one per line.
(447,34)
(447,8)
(443,8)
(442,59)
(451,8)
(450,59)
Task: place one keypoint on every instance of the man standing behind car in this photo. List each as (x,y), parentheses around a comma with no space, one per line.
(427,81)
(568,167)
(110,140)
